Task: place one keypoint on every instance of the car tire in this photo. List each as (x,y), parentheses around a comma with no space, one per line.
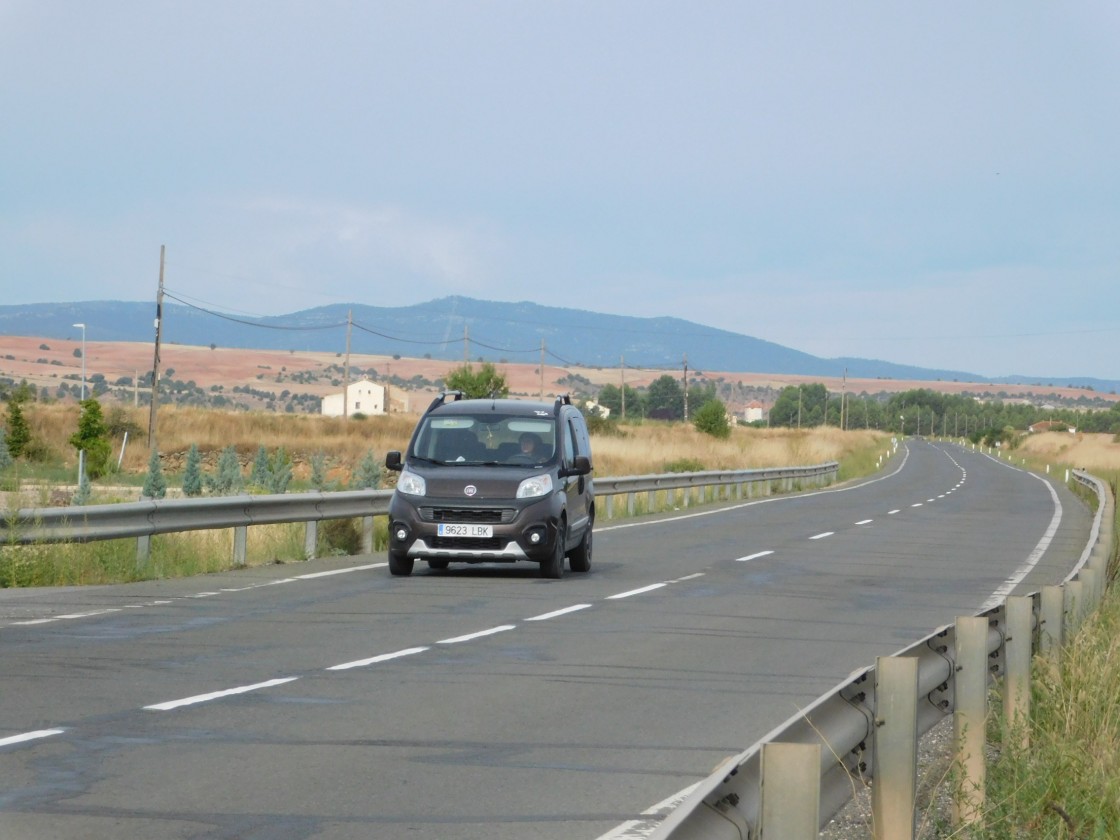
(438,564)
(580,559)
(400,565)
(553,567)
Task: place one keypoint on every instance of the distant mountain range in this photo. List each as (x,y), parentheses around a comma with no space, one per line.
(452,327)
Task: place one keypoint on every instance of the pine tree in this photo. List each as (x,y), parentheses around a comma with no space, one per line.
(319,471)
(5,455)
(279,472)
(192,474)
(228,481)
(19,434)
(155,485)
(260,477)
(368,474)
(92,437)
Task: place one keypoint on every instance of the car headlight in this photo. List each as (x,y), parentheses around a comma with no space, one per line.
(538,485)
(411,484)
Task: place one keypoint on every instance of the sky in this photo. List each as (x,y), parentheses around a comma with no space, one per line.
(935,184)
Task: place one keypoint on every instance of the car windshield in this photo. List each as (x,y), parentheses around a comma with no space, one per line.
(486,439)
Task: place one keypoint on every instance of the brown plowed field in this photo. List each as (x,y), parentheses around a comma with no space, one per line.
(46,362)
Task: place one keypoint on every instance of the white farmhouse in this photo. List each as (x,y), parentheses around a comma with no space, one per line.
(754,412)
(363,397)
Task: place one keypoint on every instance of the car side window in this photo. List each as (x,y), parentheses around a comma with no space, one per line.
(569,444)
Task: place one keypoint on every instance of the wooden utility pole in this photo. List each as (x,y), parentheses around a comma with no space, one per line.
(466,344)
(346,372)
(542,370)
(622,375)
(152,445)
(686,387)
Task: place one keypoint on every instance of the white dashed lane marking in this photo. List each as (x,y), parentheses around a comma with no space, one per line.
(470,637)
(373,660)
(29,736)
(217,695)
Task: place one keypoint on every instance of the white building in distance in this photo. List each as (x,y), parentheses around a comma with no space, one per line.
(362,397)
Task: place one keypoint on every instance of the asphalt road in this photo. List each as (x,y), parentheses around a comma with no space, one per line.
(329,700)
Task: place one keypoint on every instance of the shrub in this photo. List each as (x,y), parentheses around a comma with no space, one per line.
(368,474)
(339,536)
(684,465)
(711,419)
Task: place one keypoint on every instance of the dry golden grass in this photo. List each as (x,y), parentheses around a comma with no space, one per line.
(1088,451)
(640,448)
(649,448)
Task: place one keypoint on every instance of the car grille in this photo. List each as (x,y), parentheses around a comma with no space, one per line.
(459,544)
(467,515)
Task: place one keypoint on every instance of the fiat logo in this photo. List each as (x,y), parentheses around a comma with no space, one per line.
(470,489)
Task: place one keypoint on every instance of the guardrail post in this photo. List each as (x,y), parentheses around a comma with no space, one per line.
(143,550)
(1075,606)
(791,792)
(651,501)
(310,539)
(1088,577)
(1017,656)
(969,718)
(896,748)
(630,501)
(367,535)
(1051,625)
(240,540)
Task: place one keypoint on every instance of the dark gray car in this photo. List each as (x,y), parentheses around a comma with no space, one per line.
(494,480)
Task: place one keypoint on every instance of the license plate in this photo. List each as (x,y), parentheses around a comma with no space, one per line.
(449,529)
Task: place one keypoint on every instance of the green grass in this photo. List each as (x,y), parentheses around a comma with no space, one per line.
(1064,786)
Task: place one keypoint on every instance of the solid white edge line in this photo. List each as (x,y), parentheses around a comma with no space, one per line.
(29,736)
(332,572)
(641,591)
(216,695)
(640,829)
(558,613)
(472,636)
(1009,585)
(769,500)
(754,556)
(384,657)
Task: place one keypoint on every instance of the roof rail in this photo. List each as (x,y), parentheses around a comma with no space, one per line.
(442,398)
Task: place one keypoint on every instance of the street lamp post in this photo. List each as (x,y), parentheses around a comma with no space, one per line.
(82,327)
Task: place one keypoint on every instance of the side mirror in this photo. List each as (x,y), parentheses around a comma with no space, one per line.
(580,466)
(393,461)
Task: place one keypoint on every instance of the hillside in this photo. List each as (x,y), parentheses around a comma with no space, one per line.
(295,381)
(453,328)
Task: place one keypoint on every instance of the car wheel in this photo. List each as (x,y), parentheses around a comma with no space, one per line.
(438,564)
(400,565)
(553,567)
(580,559)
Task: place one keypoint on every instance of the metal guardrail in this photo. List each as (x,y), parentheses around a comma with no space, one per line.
(147,518)
(848,724)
